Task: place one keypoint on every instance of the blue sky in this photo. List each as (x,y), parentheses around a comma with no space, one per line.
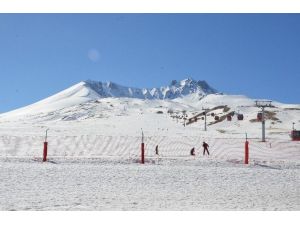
(257,55)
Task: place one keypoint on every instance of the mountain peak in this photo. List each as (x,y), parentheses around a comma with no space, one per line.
(187,80)
(182,82)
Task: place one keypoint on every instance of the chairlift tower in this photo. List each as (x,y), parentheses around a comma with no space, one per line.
(263,105)
(205,112)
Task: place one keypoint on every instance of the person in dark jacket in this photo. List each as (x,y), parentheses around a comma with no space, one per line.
(205,148)
(193,151)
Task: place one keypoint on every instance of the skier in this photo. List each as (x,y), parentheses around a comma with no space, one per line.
(156,150)
(205,148)
(193,151)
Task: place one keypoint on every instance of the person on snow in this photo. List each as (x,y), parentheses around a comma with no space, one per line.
(205,148)
(156,150)
(193,151)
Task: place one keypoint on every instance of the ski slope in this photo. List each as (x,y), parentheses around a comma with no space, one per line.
(94,152)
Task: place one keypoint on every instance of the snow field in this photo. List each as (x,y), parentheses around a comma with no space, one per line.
(174,184)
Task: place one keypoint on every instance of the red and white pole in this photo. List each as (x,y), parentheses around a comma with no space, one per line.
(143,153)
(142,149)
(45,148)
(246,151)
(45,151)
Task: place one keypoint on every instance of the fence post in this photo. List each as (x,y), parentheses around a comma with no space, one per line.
(45,147)
(45,151)
(246,152)
(142,149)
(142,153)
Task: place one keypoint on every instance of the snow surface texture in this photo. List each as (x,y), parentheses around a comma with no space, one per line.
(172,184)
(94,150)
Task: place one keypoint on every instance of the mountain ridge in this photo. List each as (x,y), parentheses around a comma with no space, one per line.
(176,89)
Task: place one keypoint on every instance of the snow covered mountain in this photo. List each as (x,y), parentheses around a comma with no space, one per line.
(86,91)
(120,108)
(174,90)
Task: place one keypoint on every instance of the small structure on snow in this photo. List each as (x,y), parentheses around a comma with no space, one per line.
(240,117)
(295,135)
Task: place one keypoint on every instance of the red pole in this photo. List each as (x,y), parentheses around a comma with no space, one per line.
(246,152)
(142,153)
(45,151)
